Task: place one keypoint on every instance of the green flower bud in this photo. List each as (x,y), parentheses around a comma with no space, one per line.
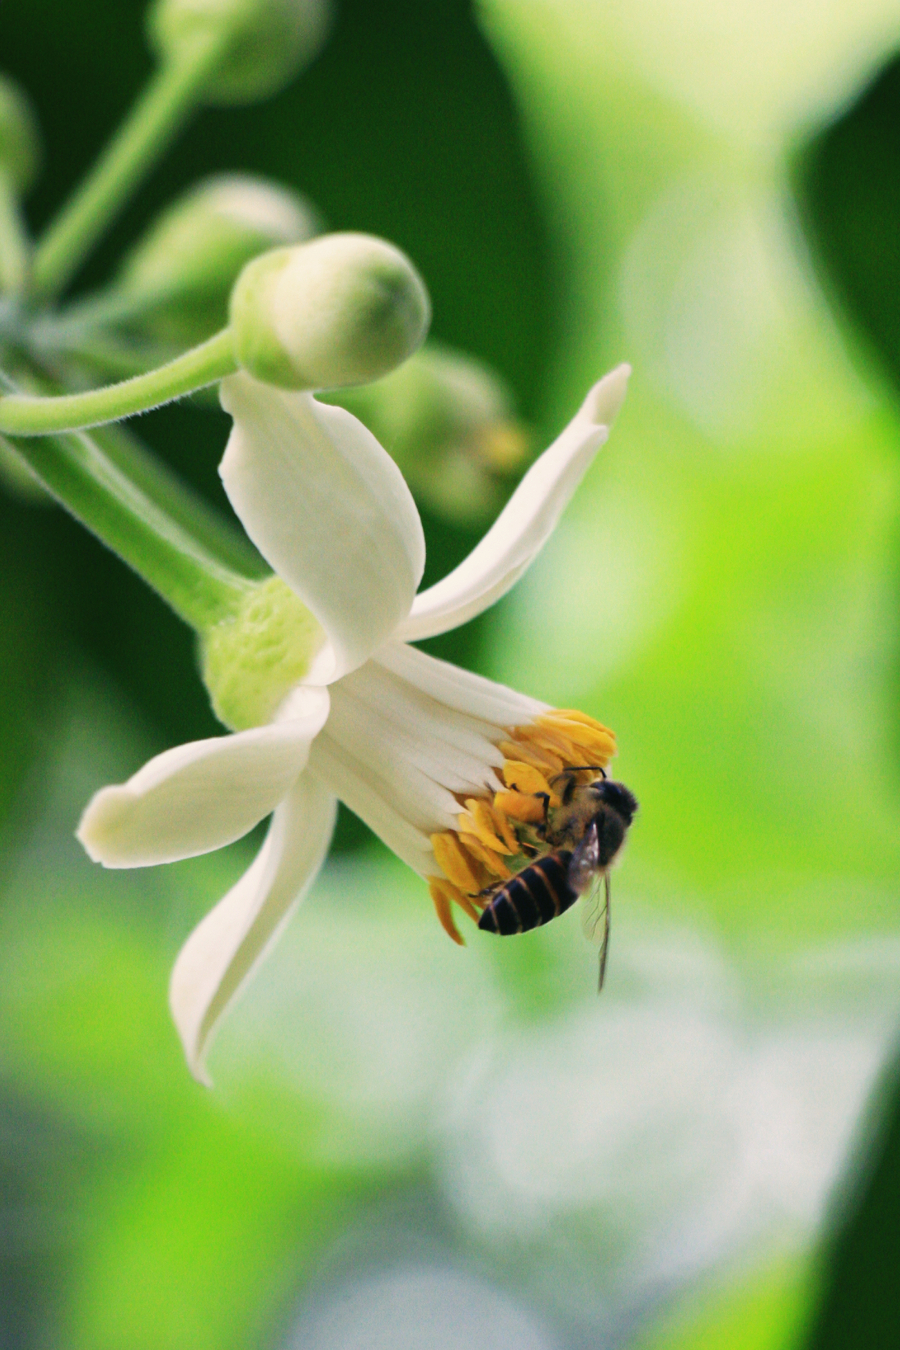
(20,145)
(182,271)
(447,420)
(270,41)
(342,309)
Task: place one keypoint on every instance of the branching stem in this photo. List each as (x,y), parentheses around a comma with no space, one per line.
(30,415)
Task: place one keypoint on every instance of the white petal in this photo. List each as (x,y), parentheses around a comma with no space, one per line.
(226,946)
(526,522)
(328,508)
(408,737)
(447,686)
(369,799)
(202,795)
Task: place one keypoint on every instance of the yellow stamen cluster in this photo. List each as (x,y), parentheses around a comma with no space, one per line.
(496,834)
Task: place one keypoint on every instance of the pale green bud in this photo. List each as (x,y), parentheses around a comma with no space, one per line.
(342,309)
(447,420)
(182,271)
(251,661)
(20,144)
(270,41)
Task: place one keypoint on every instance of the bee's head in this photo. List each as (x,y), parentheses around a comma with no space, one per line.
(616,795)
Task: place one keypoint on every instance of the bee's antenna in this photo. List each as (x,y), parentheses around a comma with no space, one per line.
(604,948)
(578,768)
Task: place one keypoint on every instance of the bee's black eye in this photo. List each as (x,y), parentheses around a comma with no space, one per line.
(617,795)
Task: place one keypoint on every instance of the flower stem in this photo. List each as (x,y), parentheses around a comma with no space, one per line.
(198,586)
(164,106)
(183,506)
(15,248)
(28,415)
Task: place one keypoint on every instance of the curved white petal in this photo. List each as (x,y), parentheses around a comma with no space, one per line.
(525,523)
(230,942)
(200,796)
(328,508)
(408,738)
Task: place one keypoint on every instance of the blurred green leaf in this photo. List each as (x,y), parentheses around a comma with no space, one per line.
(720,591)
(848,184)
(858,1306)
(193,1217)
(762,1311)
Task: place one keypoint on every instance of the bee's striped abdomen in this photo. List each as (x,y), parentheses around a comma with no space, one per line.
(536,895)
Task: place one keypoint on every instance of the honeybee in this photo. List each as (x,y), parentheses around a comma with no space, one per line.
(583,836)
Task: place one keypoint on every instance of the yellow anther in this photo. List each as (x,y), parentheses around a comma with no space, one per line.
(442,893)
(492,861)
(483,825)
(599,742)
(504,829)
(590,741)
(574,715)
(543,737)
(582,736)
(455,862)
(529,810)
(523,777)
(547,763)
(547,739)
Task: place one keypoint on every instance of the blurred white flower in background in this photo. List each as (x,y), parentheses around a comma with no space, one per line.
(602,1156)
(415,1306)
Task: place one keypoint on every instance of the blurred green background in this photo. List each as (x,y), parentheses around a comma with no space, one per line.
(409,1145)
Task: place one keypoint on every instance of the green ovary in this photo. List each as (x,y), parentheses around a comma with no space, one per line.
(250,662)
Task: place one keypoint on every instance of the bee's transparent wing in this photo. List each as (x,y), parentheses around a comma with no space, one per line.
(595,916)
(585,862)
(593,910)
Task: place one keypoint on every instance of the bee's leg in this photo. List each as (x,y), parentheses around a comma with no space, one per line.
(488,891)
(541,827)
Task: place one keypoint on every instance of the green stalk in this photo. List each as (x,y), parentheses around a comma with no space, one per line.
(183,506)
(198,586)
(167,491)
(163,108)
(15,248)
(30,415)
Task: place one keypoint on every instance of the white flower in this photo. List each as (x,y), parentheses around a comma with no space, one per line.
(428,755)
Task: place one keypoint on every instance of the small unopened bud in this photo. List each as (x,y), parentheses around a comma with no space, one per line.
(180,275)
(447,420)
(20,144)
(268,42)
(342,309)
